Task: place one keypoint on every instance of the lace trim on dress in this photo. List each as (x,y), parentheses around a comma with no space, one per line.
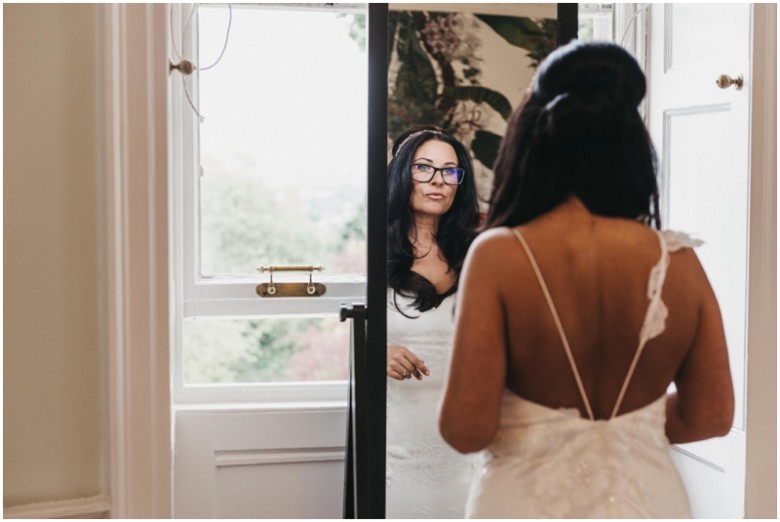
(677,240)
(657,312)
(655,319)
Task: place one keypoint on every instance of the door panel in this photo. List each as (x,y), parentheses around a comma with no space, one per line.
(702,136)
(695,34)
(707,186)
(285,463)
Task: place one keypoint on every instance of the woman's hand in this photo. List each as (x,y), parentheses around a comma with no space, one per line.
(403,364)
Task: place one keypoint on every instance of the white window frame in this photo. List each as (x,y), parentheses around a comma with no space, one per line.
(196,296)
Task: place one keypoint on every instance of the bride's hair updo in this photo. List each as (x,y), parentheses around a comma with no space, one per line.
(579,133)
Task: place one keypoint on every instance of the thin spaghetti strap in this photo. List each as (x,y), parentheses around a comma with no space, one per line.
(558,324)
(657,277)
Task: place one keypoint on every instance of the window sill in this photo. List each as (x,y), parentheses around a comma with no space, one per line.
(261,407)
(294,395)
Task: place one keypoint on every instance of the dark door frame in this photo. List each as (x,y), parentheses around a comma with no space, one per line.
(364,481)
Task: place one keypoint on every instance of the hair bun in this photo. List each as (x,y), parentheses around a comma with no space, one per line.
(592,70)
(582,114)
(578,134)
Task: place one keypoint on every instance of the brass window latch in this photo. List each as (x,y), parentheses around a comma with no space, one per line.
(271,289)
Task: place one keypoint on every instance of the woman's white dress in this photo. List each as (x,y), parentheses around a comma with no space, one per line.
(425,477)
(553,463)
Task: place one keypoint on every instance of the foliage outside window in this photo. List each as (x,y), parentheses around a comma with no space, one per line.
(268,350)
(281,180)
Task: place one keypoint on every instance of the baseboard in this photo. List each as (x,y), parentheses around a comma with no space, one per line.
(91,507)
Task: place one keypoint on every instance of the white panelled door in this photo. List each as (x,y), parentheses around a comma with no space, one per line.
(702,135)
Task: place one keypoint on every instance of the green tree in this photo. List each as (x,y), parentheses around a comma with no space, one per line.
(246,222)
(271,345)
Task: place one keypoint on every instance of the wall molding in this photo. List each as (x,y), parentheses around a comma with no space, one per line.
(668,37)
(229,458)
(135,65)
(761,397)
(665,166)
(706,462)
(89,507)
(215,447)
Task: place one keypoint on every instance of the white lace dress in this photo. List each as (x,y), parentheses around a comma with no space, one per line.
(553,463)
(425,477)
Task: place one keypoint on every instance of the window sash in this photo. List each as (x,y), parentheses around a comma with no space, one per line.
(226,296)
(196,296)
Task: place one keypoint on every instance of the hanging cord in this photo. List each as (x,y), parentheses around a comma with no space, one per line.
(632,22)
(201,118)
(186,67)
(224,46)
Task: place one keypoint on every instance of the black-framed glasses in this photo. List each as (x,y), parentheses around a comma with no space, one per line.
(425,173)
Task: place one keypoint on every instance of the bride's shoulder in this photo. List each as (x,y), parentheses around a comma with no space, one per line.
(492,249)
(493,237)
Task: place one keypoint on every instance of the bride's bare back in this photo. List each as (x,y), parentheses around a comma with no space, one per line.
(597,271)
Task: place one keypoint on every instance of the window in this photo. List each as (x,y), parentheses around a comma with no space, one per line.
(271,130)
(596,22)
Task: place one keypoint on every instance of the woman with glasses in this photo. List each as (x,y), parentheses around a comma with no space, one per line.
(576,313)
(432,217)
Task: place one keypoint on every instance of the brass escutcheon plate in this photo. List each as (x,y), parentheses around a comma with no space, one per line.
(290,290)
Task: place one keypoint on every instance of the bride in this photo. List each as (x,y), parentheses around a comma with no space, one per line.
(576,312)
(432,216)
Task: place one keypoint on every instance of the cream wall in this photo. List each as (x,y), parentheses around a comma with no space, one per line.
(53,371)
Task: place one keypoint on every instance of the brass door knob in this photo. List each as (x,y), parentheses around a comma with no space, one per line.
(725,81)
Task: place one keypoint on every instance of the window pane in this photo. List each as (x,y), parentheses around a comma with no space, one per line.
(596,22)
(282,140)
(265,350)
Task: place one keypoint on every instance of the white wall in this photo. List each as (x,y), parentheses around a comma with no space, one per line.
(53,371)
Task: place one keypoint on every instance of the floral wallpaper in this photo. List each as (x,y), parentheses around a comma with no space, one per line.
(464,72)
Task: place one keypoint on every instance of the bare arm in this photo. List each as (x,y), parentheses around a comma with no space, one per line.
(469,415)
(703,406)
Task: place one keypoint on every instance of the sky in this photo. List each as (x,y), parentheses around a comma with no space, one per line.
(289,96)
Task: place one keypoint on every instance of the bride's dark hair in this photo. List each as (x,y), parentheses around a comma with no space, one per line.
(579,133)
(457,228)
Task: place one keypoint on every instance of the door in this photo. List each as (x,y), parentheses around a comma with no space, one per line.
(701,132)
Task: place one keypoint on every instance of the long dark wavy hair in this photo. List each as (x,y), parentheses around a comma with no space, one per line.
(457,228)
(579,133)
